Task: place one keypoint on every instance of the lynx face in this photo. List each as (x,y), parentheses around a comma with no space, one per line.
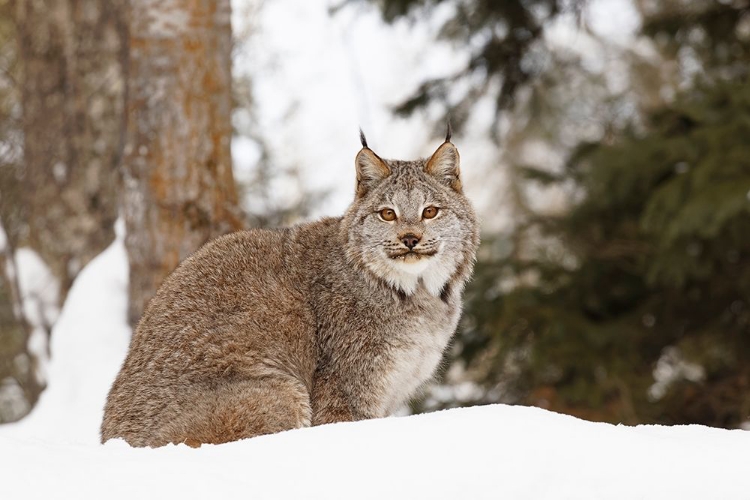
(410,222)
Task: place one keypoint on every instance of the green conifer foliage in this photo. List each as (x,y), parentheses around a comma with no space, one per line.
(502,39)
(635,308)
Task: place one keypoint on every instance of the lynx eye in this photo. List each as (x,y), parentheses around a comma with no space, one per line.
(387,214)
(429,212)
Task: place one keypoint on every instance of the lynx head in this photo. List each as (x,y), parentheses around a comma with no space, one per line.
(410,222)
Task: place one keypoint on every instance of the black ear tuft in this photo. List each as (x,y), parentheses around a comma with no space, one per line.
(449,133)
(362,138)
(371,169)
(444,165)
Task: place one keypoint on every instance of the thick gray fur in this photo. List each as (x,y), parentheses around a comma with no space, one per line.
(266,330)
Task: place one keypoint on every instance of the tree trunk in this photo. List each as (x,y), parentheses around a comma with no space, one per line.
(62,61)
(179,189)
(72,99)
(19,384)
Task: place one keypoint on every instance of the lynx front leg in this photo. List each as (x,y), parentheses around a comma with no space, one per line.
(329,403)
(239,410)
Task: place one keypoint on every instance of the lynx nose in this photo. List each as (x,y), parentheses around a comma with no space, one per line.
(410,240)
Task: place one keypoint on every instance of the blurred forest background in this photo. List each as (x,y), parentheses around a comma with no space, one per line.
(614,276)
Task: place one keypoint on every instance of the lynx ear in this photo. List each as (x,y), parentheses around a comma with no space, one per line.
(370,168)
(444,164)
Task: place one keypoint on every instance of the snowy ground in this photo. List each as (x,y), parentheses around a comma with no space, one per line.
(485,452)
(489,452)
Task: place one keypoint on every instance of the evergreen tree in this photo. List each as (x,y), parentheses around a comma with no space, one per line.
(502,39)
(634,306)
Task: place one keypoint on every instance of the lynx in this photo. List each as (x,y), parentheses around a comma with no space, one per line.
(336,320)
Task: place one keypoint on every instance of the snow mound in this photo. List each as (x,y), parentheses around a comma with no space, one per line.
(483,452)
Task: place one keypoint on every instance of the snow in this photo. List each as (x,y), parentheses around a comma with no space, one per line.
(39,293)
(484,452)
(673,367)
(89,342)
(494,451)
(167,21)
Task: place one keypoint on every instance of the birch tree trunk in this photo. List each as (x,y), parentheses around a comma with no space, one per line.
(72,98)
(179,189)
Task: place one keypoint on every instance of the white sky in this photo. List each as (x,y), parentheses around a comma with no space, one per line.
(319,77)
